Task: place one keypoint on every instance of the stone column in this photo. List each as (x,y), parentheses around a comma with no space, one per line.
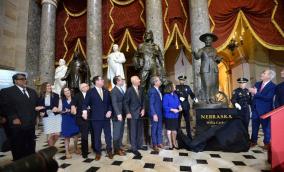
(154,21)
(199,24)
(94,36)
(47,40)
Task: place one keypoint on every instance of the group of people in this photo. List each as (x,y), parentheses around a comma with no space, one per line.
(92,109)
(257,101)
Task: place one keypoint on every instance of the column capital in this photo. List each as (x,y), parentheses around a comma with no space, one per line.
(53,2)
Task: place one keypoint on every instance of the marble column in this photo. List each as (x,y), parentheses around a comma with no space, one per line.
(154,21)
(47,40)
(94,36)
(199,24)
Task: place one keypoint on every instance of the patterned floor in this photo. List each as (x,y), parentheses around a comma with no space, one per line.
(166,160)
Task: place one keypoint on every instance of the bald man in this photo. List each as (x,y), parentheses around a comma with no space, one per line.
(83,124)
(134,109)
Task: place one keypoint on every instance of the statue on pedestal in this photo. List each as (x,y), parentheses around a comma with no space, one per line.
(209,72)
(78,72)
(60,72)
(115,64)
(149,60)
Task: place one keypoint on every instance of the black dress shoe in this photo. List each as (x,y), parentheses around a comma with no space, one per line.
(85,156)
(136,153)
(144,148)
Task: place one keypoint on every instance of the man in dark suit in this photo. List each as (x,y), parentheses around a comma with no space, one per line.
(134,108)
(263,94)
(184,91)
(279,92)
(117,96)
(156,113)
(99,101)
(83,124)
(20,103)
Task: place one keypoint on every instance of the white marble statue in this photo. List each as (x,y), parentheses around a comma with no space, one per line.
(60,72)
(115,64)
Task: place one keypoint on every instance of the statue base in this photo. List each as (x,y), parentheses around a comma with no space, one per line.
(204,105)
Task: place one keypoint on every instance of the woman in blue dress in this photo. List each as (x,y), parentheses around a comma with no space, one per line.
(171,107)
(69,127)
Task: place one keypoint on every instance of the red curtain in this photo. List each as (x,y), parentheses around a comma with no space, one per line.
(257,14)
(71,23)
(176,12)
(119,18)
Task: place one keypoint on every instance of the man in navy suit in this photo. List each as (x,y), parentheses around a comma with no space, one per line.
(99,101)
(279,92)
(156,112)
(263,94)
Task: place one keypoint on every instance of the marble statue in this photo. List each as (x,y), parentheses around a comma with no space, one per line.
(78,72)
(149,60)
(115,64)
(60,72)
(209,73)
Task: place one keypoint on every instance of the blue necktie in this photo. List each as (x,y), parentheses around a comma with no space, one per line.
(121,90)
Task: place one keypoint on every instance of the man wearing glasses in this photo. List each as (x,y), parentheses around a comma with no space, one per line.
(20,102)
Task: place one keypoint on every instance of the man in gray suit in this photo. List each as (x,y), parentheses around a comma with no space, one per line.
(134,108)
(117,95)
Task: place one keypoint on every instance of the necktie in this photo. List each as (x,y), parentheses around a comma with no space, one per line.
(160,94)
(136,90)
(101,93)
(24,91)
(121,90)
(261,88)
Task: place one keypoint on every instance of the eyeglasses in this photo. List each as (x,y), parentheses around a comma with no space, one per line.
(22,79)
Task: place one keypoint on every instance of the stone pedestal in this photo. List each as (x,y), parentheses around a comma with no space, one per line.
(154,21)
(94,36)
(47,40)
(199,24)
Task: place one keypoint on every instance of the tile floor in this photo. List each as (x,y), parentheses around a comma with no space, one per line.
(165,161)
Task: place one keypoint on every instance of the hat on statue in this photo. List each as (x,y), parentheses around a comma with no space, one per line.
(203,37)
(182,77)
(242,80)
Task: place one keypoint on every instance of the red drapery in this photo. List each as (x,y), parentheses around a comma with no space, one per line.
(71,24)
(122,24)
(125,23)
(263,17)
(176,22)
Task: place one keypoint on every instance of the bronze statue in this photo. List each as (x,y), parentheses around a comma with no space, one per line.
(149,60)
(209,72)
(78,72)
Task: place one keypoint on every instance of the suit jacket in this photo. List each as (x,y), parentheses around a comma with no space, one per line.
(133,103)
(78,102)
(19,106)
(117,102)
(279,95)
(155,102)
(263,100)
(54,101)
(99,107)
(209,60)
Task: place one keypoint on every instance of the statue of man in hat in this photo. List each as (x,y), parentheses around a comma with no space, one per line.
(209,67)
(149,60)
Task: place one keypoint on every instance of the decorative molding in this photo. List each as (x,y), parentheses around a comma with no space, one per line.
(53,2)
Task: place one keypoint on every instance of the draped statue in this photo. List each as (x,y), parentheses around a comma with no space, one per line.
(60,72)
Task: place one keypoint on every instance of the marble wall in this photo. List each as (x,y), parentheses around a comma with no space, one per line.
(19,36)
(13,34)
(33,41)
